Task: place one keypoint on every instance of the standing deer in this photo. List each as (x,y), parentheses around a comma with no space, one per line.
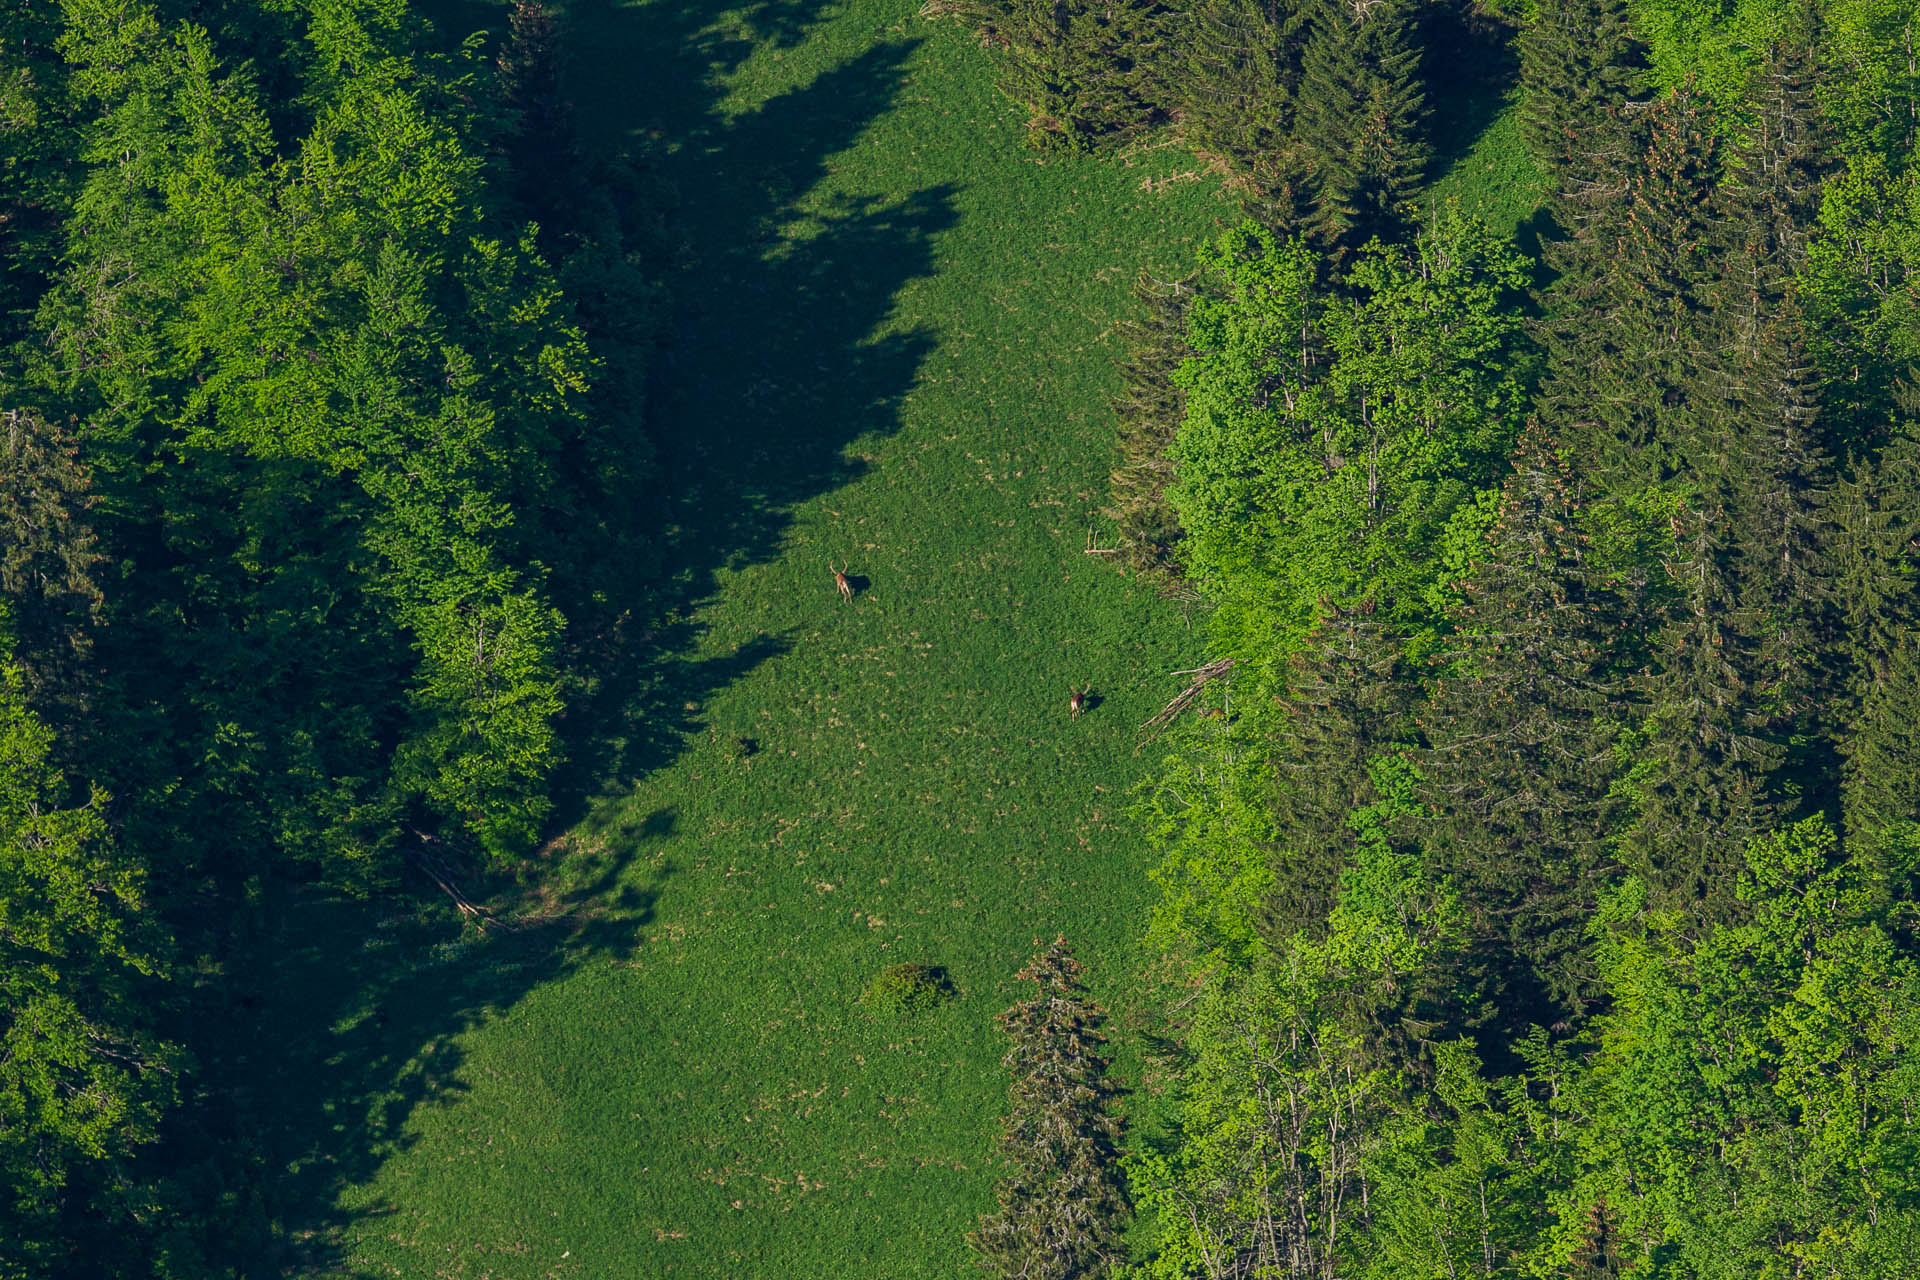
(840,581)
(1078,702)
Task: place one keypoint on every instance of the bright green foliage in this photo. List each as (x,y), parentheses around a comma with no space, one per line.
(1334,441)
(1858,286)
(83,1081)
(1361,111)
(1062,1202)
(1458,1188)
(1149,410)
(908,987)
(1748,1110)
(338,335)
(1282,1099)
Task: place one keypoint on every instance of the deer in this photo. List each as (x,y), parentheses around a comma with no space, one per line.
(1078,702)
(841,581)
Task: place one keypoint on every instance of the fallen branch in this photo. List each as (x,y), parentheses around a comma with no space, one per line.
(1094,549)
(438,872)
(1202,676)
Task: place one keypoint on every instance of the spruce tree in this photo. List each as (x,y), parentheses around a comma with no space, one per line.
(539,139)
(1698,787)
(1062,1200)
(1148,411)
(1580,67)
(1789,153)
(1084,72)
(1352,701)
(1234,90)
(1361,115)
(1628,328)
(1520,738)
(1881,788)
(48,558)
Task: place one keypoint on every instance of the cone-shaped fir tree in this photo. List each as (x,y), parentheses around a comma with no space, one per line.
(1699,785)
(1083,71)
(1352,702)
(1235,93)
(1361,116)
(1520,737)
(1579,68)
(1148,412)
(1062,1201)
(48,597)
(539,140)
(1874,529)
(1880,800)
(1628,328)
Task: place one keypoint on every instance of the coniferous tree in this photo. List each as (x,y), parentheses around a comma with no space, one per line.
(48,595)
(1520,743)
(1083,71)
(1235,93)
(1148,412)
(1361,114)
(1062,1201)
(1697,790)
(1352,701)
(1580,67)
(1628,327)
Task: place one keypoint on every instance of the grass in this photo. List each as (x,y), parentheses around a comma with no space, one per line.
(894,350)
(1497,179)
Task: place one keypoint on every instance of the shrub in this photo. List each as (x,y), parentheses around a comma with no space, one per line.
(906,988)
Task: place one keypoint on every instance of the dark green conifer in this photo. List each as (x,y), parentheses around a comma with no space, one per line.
(1234,90)
(1629,328)
(1698,786)
(1520,739)
(1880,798)
(1352,702)
(1580,67)
(1085,72)
(1062,1201)
(1361,116)
(539,141)
(48,555)
(1148,411)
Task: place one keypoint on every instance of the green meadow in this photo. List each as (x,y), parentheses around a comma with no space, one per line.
(892,346)
(891,350)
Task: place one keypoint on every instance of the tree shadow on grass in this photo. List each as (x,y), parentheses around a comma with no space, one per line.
(316,1059)
(349,1022)
(773,367)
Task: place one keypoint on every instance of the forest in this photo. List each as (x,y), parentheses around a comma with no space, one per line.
(1501,418)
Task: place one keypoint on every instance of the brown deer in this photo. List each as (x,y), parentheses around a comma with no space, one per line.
(841,581)
(1078,702)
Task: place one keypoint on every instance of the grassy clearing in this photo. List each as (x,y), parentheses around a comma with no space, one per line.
(1497,179)
(894,350)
